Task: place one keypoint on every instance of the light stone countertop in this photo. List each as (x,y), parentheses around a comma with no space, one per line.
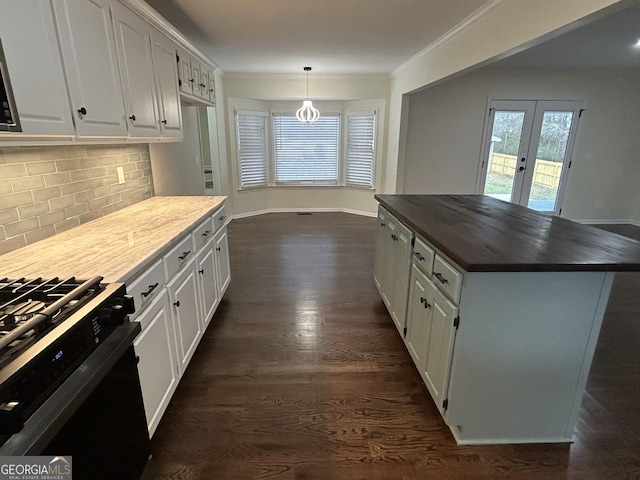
(117,246)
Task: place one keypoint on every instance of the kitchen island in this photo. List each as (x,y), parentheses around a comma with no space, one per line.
(500,308)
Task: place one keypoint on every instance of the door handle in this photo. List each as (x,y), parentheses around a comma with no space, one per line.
(521,169)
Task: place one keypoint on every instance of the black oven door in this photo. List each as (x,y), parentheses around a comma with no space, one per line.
(96,416)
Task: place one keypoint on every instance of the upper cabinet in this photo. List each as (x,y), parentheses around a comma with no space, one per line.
(30,46)
(87,70)
(133,41)
(91,63)
(196,79)
(164,60)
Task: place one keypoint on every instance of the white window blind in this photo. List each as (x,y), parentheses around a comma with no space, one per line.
(252,148)
(361,149)
(306,153)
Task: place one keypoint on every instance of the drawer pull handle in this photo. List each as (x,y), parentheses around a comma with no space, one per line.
(222,218)
(440,277)
(184,255)
(206,234)
(151,289)
(177,304)
(425,303)
(419,256)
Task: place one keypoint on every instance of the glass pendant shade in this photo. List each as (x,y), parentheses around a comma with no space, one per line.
(307,113)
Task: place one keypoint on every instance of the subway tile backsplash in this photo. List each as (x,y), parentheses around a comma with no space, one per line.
(46,190)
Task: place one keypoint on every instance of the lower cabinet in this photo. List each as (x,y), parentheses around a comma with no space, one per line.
(207,271)
(393,246)
(430,334)
(155,348)
(185,307)
(222,261)
(175,299)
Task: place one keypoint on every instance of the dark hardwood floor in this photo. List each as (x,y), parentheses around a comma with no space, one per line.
(302,375)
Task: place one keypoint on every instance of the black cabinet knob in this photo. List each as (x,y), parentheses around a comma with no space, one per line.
(82,111)
(177,304)
(201,272)
(164,121)
(132,118)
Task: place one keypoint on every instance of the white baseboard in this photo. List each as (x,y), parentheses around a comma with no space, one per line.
(304,210)
(611,222)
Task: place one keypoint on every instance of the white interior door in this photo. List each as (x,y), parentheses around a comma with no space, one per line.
(527,151)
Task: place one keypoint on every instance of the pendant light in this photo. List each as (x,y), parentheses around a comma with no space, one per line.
(307,113)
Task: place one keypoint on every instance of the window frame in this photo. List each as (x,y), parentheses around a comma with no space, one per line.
(310,183)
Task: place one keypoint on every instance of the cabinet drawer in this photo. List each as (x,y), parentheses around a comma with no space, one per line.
(423,256)
(219,218)
(178,256)
(202,233)
(447,277)
(146,286)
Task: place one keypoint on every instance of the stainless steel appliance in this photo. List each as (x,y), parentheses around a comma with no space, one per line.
(68,376)
(9,121)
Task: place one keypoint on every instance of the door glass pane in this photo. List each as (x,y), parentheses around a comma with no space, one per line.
(503,154)
(550,156)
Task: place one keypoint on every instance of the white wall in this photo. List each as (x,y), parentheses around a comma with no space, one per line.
(445,126)
(503,26)
(177,167)
(264,92)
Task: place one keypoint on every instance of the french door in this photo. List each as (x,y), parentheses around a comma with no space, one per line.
(527,150)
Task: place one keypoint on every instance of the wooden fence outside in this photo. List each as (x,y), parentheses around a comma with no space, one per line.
(546,173)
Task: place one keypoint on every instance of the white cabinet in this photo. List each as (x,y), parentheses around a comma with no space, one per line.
(441,321)
(222,260)
(136,69)
(209,288)
(418,322)
(166,75)
(34,63)
(196,79)
(185,308)
(158,369)
(381,248)
(393,267)
(91,65)
(211,87)
(431,320)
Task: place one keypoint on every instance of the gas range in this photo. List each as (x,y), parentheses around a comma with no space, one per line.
(48,327)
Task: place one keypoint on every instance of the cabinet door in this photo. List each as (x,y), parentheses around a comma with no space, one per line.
(389,275)
(91,63)
(222,260)
(402,262)
(381,249)
(196,79)
(185,79)
(166,73)
(211,88)
(158,369)
(183,294)
(207,280)
(440,348)
(204,82)
(34,63)
(418,319)
(133,43)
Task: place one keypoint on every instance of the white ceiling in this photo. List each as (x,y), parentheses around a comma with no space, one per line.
(372,36)
(332,36)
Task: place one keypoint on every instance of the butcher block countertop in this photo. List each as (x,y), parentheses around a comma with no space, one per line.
(483,234)
(117,246)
